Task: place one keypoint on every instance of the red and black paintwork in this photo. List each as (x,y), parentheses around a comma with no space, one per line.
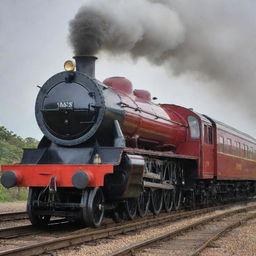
(109,136)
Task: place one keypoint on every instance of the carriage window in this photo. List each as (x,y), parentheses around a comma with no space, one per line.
(229,147)
(221,145)
(243,150)
(194,127)
(251,153)
(246,151)
(237,148)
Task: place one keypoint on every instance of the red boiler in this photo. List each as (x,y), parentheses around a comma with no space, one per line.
(146,124)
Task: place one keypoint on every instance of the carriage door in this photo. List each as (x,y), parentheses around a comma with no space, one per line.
(208,153)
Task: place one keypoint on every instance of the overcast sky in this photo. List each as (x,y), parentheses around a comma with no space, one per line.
(34,46)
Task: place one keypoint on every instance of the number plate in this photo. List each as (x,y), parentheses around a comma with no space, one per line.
(65,104)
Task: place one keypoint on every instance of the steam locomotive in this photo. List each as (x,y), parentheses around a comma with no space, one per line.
(108,150)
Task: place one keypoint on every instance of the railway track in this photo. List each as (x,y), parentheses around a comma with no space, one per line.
(191,239)
(25,230)
(42,244)
(11,216)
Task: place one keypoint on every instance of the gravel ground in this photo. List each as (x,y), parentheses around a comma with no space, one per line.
(239,242)
(12,207)
(107,246)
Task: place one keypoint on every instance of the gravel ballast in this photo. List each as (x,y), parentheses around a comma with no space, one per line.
(12,207)
(107,246)
(239,242)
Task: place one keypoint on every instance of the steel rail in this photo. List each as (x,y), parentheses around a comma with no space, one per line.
(130,250)
(222,232)
(85,235)
(13,232)
(11,216)
(25,230)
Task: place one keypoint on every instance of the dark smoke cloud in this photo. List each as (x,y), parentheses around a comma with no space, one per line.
(135,27)
(213,39)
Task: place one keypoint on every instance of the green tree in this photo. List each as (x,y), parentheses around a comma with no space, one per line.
(11,150)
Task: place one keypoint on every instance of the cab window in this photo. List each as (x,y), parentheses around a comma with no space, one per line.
(194,127)
(208,134)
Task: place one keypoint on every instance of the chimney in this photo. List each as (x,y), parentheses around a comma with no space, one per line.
(86,64)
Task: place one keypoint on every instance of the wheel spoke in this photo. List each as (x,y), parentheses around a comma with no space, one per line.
(130,208)
(168,194)
(156,200)
(143,203)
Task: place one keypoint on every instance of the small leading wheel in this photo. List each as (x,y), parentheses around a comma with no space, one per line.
(36,220)
(156,200)
(143,203)
(169,196)
(130,208)
(92,207)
